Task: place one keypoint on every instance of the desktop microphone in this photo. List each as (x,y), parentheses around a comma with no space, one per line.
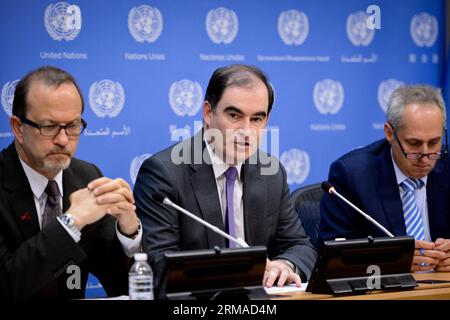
(327,187)
(163,199)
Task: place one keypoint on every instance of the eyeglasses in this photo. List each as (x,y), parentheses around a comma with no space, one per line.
(418,155)
(72,129)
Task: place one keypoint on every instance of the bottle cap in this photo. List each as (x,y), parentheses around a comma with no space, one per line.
(140,257)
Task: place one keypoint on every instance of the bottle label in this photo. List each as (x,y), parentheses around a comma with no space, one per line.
(141,287)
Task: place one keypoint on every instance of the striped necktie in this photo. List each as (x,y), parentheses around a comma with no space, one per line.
(411,212)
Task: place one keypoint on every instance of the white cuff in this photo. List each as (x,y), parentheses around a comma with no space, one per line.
(130,246)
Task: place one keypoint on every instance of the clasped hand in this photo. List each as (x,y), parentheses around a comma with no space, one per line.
(432,255)
(105,196)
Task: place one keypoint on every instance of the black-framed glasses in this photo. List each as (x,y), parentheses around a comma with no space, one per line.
(419,155)
(72,129)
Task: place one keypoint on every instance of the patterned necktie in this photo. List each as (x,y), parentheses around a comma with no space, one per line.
(411,212)
(231,175)
(53,205)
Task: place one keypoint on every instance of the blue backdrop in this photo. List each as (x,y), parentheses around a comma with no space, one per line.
(143,67)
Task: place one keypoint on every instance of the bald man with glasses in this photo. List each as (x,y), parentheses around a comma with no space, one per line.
(402,181)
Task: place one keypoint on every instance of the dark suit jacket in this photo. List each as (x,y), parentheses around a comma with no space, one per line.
(32,260)
(269,217)
(366,177)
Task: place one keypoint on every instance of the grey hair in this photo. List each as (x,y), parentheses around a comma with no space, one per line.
(404,95)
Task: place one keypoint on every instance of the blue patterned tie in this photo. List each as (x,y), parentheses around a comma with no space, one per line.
(411,212)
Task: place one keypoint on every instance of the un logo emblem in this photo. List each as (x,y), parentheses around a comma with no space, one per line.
(222,25)
(62,21)
(293,27)
(145,23)
(185,97)
(385,90)
(106,98)
(136,165)
(8,96)
(424,29)
(328,96)
(357,30)
(297,165)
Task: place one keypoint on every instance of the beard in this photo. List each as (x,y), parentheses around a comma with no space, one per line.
(56,165)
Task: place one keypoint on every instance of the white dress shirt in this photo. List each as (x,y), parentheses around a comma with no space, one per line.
(420,194)
(38,183)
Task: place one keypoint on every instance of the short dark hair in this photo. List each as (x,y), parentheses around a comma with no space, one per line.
(235,75)
(47,75)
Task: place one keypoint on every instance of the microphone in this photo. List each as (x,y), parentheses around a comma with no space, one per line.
(327,187)
(158,196)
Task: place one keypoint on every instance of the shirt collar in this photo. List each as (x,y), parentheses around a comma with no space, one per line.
(400,176)
(218,165)
(38,182)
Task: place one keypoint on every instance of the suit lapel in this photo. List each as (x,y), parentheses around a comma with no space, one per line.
(386,185)
(20,194)
(436,201)
(254,194)
(205,189)
(204,186)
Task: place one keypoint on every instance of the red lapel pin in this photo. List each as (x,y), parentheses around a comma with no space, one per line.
(26,216)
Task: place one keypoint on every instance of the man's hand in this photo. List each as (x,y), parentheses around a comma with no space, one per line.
(278,269)
(443,245)
(85,209)
(426,256)
(119,195)
(111,191)
(103,196)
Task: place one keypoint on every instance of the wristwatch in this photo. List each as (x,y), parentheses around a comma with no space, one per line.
(133,235)
(69,222)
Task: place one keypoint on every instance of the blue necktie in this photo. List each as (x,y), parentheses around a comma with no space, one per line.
(411,212)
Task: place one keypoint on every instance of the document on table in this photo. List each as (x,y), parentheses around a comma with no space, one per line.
(286,289)
(113,298)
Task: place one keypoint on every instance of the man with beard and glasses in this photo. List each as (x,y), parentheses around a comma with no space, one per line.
(219,175)
(57,213)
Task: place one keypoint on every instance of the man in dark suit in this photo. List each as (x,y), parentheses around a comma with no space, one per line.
(219,176)
(402,181)
(43,252)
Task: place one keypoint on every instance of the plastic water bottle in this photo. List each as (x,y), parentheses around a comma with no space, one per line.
(140,279)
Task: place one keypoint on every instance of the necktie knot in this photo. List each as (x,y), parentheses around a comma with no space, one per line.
(411,184)
(52,190)
(231,173)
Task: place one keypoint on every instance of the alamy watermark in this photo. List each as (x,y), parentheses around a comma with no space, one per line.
(74,280)
(374,18)
(374,280)
(232,146)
